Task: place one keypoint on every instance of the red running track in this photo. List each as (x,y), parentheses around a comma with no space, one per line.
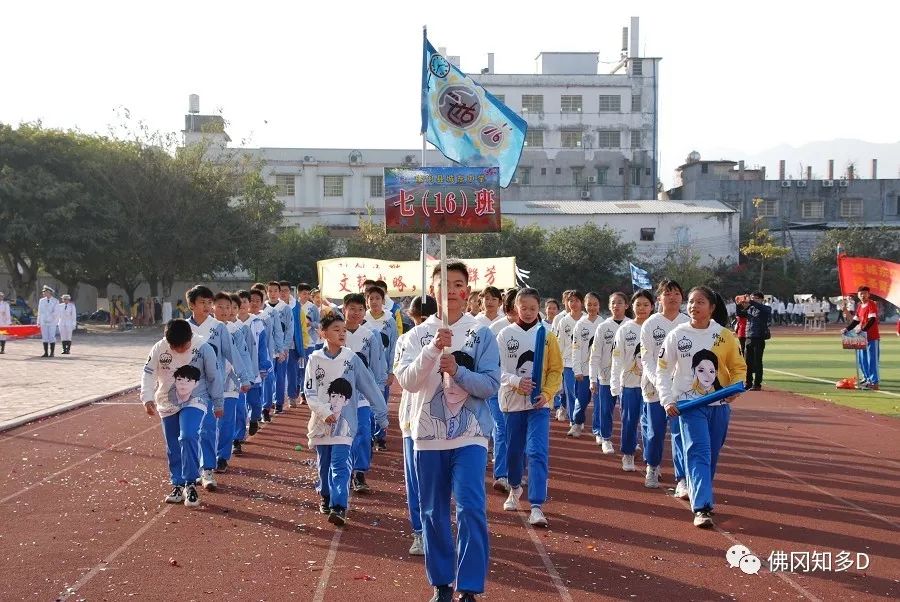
(83,518)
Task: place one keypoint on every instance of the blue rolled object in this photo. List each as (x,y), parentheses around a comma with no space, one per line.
(537,371)
(690,404)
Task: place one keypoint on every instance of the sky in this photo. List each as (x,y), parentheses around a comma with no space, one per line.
(744,77)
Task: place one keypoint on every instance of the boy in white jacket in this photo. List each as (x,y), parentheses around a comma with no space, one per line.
(449,373)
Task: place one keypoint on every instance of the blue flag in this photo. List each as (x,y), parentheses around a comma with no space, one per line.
(639,277)
(537,370)
(466,122)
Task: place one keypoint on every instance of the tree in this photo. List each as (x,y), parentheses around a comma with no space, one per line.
(372,241)
(294,253)
(761,245)
(682,264)
(590,256)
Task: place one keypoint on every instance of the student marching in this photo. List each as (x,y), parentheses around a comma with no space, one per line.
(485,372)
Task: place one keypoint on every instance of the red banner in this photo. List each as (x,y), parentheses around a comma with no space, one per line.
(882,277)
(25,330)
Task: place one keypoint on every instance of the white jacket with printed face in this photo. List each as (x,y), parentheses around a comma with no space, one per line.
(626,371)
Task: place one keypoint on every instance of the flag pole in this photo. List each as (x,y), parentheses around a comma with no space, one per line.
(424,241)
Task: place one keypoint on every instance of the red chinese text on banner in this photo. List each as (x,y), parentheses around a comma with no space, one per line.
(441,200)
(882,277)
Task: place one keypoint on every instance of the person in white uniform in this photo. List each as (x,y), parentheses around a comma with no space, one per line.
(67,320)
(47,319)
(5,319)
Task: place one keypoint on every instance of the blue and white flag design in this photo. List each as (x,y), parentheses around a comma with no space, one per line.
(639,277)
(465,122)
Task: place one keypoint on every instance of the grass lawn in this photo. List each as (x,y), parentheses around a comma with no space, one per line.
(822,357)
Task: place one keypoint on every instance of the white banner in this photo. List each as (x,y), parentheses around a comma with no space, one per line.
(344,275)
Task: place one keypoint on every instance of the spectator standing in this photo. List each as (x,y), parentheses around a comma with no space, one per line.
(758,316)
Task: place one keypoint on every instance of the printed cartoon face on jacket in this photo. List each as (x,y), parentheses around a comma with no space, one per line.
(186,379)
(339,393)
(455,396)
(705,367)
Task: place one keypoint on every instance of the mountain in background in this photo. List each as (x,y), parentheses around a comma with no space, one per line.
(817,154)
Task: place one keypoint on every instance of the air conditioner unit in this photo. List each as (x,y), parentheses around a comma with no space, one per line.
(827,183)
(585,194)
(785,183)
(309,159)
(801,183)
(844,183)
(592,179)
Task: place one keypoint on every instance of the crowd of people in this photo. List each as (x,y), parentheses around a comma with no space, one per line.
(486,372)
(480,379)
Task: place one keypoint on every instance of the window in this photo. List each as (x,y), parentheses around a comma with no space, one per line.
(648,234)
(704,168)
(501,97)
(768,208)
(610,103)
(523,175)
(534,137)
(334,186)
(635,176)
(851,208)
(571,138)
(578,176)
(637,67)
(635,103)
(543,171)
(891,205)
(532,103)
(285,185)
(376,186)
(609,139)
(635,138)
(812,209)
(558,170)
(570,103)
(601,175)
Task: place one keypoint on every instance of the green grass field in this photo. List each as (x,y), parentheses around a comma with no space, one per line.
(822,357)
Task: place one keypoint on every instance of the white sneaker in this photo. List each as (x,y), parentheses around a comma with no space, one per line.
(598,439)
(703,520)
(573,428)
(417,548)
(561,414)
(607,447)
(628,462)
(501,484)
(208,480)
(577,429)
(681,490)
(651,480)
(512,502)
(537,518)
(177,495)
(292,403)
(191,499)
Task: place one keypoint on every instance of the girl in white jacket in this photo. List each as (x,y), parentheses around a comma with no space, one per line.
(582,340)
(600,368)
(564,330)
(625,377)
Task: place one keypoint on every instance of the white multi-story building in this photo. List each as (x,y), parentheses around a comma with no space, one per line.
(591,136)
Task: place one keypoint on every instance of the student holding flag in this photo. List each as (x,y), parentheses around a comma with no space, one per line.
(530,373)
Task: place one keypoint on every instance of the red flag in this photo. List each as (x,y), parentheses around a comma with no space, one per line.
(882,277)
(25,330)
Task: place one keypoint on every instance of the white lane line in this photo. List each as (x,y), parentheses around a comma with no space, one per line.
(826,381)
(76,464)
(548,563)
(5,437)
(329,564)
(735,541)
(859,451)
(837,498)
(73,589)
